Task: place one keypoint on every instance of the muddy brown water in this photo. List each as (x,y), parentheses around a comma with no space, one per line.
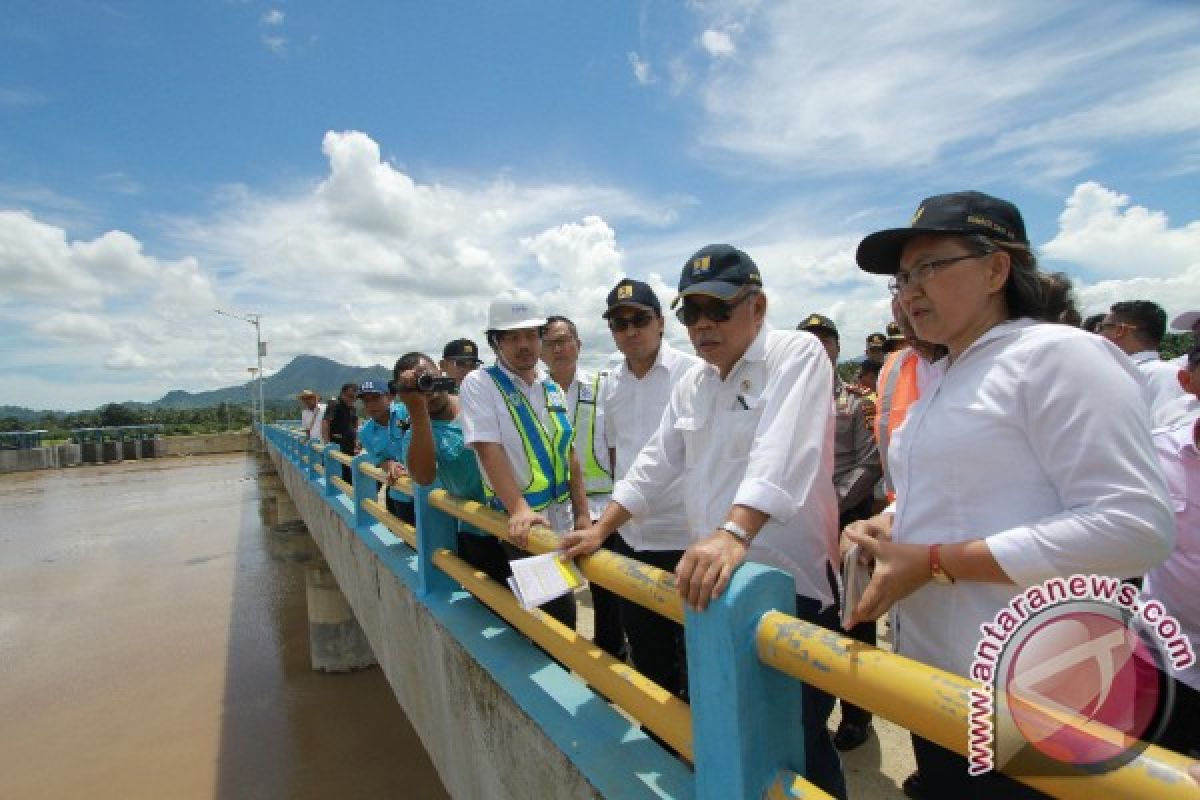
(151,648)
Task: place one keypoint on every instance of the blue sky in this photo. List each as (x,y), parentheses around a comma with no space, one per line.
(367,176)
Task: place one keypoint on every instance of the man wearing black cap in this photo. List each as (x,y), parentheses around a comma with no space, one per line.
(750,433)
(856,470)
(459,358)
(875,345)
(633,399)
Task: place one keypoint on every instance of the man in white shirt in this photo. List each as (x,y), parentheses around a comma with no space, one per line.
(312,414)
(512,409)
(750,433)
(633,399)
(1173,583)
(1137,327)
(560,352)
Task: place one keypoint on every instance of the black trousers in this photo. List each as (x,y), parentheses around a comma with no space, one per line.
(656,644)
(821,758)
(944,775)
(865,632)
(609,625)
(401,509)
(347,448)
(1182,733)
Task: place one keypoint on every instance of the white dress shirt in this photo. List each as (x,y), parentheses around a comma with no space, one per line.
(310,421)
(1173,583)
(583,383)
(485,417)
(762,438)
(1035,440)
(1162,385)
(633,409)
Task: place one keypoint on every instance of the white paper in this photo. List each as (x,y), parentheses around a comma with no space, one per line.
(539,579)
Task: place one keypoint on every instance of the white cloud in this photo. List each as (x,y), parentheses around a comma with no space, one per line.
(276,44)
(1102,230)
(641,69)
(832,88)
(717,44)
(71,326)
(273,17)
(125,357)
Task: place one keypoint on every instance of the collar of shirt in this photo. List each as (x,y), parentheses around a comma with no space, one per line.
(755,353)
(1144,356)
(1182,438)
(539,376)
(663,359)
(990,335)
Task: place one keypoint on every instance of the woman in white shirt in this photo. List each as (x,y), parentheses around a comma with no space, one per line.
(1028,456)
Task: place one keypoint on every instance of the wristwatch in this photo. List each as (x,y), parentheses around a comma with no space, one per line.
(935,566)
(737,531)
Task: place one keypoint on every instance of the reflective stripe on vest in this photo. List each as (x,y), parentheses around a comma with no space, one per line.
(897,391)
(547,453)
(596,479)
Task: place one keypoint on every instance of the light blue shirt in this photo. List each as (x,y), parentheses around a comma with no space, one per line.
(457,467)
(386,443)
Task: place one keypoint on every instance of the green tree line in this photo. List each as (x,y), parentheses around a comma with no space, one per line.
(175,422)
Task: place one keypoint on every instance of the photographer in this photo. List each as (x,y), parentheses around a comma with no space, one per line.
(437,455)
(381,436)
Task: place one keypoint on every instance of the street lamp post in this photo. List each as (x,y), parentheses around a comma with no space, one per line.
(253,411)
(255,320)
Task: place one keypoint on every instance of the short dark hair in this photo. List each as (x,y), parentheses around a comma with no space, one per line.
(410,361)
(869,365)
(1059,293)
(1146,316)
(1092,323)
(346,386)
(553,318)
(495,336)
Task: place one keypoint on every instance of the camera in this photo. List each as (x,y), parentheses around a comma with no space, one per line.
(426,384)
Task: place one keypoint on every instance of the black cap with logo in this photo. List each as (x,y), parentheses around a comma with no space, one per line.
(876,340)
(718,270)
(959,212)
(818,323)
(635,294)
(461,350)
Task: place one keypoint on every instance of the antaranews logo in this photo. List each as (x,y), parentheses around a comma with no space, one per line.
(1075,675)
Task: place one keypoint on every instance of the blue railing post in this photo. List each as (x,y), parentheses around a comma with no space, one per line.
(746,717)
(332,467)
(435,530)
(365,488)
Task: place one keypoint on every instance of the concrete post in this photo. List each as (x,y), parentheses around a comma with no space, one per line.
(110,451)
(336,642)
(746,715)
(90,452)
(435,530)
(130,449)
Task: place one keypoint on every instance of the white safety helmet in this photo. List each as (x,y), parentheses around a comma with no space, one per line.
(507,314)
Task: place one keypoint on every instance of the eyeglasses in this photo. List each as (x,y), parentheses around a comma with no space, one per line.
(921,272)
(618,324)
(561,341)
(1103,326)
(690,312)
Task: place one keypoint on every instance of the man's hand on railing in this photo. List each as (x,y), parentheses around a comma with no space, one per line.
(520,522)
(582,542)
(394,471)
(706,567)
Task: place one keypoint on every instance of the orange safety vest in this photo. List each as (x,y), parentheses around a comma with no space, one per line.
(897,391)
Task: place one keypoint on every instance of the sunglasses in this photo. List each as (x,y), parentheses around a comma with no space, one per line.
(465,362)
(691,311)
(618,324)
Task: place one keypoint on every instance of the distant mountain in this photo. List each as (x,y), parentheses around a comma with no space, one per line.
(304,372)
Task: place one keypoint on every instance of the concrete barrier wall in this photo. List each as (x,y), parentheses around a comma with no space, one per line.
(498,718)
(71,454)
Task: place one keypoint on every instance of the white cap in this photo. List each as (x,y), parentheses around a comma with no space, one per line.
(1185,321)
(507,314)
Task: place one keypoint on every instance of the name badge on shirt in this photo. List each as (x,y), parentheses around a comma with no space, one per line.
(586,395)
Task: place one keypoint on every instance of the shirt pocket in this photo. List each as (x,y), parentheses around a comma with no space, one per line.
(689,429)
(736,431)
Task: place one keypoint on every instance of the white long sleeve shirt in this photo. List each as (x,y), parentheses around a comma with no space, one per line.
(1161,379)
(763,438)
(1036,440)
(1173,583)
(633,408)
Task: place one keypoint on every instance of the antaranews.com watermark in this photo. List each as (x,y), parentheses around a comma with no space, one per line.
(1075,674)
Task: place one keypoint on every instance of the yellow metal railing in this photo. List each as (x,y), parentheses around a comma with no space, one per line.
(934,704)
